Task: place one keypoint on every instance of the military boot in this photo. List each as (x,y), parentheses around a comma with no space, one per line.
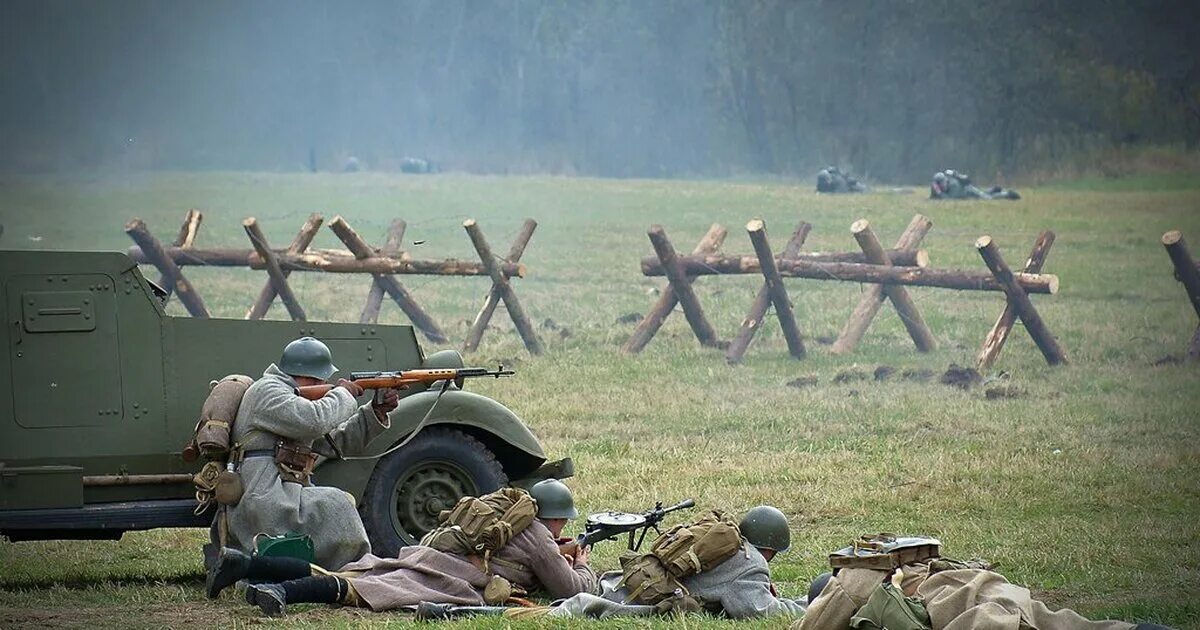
(232,565)
(271,599)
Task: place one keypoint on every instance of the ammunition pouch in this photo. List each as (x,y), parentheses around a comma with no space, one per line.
(295,461)
(481,525)
(499,591)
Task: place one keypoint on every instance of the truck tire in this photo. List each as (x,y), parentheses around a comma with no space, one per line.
(410,487)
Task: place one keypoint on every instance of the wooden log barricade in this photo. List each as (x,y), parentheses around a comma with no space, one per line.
(889,271)
(1188,273)
(382,264)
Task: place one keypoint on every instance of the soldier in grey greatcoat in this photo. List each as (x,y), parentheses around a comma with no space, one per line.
(278,501)
(531,560)
(738,588)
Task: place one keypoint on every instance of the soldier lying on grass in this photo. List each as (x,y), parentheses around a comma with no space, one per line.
(491,550)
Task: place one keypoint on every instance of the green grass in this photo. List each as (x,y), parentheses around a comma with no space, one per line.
(1086,489)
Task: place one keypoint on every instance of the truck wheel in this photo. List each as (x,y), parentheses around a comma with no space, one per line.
(410,487)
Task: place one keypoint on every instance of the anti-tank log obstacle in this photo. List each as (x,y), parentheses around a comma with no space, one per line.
(873,265)
(873,296)
(303,239)
(392,286)
(994,342)
(716,264)
(156,255)
(1020,302)
(359,257)
(712,241)
(762,301)
(961,279)
(1188,273)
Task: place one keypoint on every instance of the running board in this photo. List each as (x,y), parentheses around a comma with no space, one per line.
(100,520)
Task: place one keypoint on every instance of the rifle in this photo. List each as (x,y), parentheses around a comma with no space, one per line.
(403,379)
(609,525)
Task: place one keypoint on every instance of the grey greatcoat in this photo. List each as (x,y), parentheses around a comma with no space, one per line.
(272,410)
(530,560)
(739,588)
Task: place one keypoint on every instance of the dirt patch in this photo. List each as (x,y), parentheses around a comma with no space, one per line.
(961,377)
(917,375)
(550,324)
(825,340)
(629,318)
(884,372)
(803,381)
(1170,359)
(851,375)
(1007,390)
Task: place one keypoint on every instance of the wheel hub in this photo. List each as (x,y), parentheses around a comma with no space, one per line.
(423,493)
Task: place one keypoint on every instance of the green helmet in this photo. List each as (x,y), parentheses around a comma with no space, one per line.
(307,357)
(766,527)
(554,499)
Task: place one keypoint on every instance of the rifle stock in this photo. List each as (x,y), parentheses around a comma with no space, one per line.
(402,380)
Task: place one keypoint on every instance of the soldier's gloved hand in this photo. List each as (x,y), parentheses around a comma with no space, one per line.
(582,554)
(385,402)
(355,389)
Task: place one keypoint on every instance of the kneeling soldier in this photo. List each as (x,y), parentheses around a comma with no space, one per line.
(280,436)
(487,551)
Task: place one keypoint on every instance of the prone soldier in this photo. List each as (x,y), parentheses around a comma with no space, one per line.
(470,560)
(831,179)
(952,184)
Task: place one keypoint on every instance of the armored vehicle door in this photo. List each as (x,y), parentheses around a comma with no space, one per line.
(64,351)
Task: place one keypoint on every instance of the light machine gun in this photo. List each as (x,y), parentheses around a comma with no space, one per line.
(609,525)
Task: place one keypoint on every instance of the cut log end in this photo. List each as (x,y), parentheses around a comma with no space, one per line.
(859,226)
(755,225)
(469,223)
(655,230)
(982,242)
(249,222)
(338,221)
(1172,237)
(922,258)
(1053,284)
(134,225)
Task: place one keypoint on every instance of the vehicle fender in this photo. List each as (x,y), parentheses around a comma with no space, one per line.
(487,420)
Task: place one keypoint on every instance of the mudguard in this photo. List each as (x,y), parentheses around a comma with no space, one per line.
(471,411)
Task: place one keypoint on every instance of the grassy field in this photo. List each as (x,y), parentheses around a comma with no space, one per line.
(1086,488)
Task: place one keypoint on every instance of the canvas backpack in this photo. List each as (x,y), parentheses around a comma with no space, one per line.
(481,525)
(685,550)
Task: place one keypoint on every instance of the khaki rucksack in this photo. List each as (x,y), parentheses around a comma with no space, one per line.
(481,525)
(685,550)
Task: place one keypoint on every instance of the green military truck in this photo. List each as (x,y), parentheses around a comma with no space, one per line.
(101,391)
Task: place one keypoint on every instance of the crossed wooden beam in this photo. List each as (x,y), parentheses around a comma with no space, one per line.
(280,264)
(1188,274)
(873,265)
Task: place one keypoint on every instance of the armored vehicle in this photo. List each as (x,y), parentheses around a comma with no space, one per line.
(101,390)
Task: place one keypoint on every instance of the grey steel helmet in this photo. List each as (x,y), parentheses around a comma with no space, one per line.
(766,527)
(554,499)
(307,357)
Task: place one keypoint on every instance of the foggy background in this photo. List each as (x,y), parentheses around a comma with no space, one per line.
(643,88)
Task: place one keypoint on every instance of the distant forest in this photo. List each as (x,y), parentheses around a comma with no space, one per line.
(893,89)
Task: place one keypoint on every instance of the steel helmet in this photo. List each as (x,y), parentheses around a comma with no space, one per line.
(553,499)
(766,527)
(307,357)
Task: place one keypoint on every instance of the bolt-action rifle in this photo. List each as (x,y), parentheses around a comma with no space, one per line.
(609,525)
(404,379)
